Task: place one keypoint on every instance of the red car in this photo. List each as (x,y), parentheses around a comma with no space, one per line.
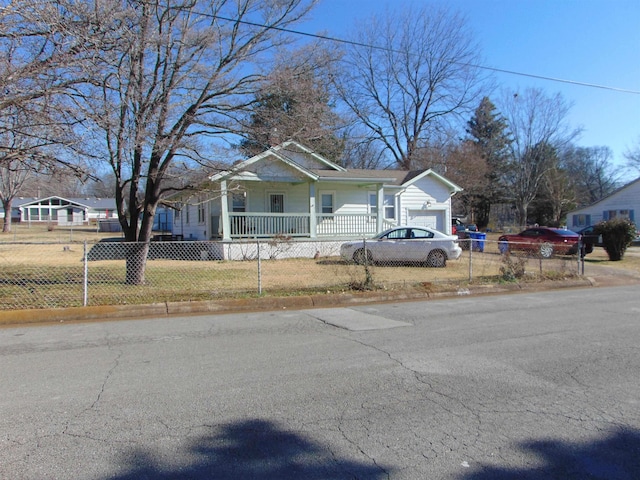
(542,240)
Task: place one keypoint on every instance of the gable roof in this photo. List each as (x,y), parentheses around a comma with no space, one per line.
(332,172)
(280,152)
(91,203)
(606,197)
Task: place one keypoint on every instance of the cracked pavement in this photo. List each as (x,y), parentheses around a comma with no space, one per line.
(535,385)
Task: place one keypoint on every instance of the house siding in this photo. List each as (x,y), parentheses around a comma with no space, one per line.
(296,175)
(414,208)
(305,160)
(626,198)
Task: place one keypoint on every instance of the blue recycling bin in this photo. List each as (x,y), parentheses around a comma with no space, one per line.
(477,240)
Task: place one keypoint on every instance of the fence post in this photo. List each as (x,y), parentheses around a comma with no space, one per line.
(259,268)
(85,280)
(470,260)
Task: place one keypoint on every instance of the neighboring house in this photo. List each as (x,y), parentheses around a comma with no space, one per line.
(62,211)
(290,192)
(623,203)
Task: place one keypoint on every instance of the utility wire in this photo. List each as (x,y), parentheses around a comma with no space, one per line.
(375,47)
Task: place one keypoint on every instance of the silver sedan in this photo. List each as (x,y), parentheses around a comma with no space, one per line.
(404,245)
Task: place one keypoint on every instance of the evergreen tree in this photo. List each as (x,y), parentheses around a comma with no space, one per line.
(488,131)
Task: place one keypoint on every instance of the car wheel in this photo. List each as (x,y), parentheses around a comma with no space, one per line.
(546,250)
(437,258)
(361,257)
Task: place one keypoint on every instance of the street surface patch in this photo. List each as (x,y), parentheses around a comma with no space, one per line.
(354,320)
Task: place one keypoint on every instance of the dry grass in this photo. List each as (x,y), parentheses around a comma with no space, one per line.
(41,232)
(51,273)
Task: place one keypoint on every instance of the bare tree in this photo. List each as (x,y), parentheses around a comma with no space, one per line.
(409,73)
(39,62)
(591,172)
(538,127)
(557,191)
(633,156)
(33,142)
(173,82)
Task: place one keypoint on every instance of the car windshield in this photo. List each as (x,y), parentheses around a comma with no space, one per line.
(565,232)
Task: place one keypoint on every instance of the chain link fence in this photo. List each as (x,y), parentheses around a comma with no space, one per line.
(56,275)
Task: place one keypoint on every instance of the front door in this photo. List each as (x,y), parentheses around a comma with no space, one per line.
(276,203)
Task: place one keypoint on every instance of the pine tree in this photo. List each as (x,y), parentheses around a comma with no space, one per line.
(489,132)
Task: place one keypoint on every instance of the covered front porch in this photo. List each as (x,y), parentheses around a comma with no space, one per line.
(300,211)
(261,225)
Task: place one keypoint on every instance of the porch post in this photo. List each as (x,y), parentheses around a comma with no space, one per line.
(380,204)
(224,211)
(312,210)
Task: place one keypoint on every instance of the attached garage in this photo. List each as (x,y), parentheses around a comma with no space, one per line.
(428,218)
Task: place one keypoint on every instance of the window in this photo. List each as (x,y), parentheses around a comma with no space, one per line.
(398,234)
(326,203)
(239,202)
(187,218)
(419,233)
(201,212)
(623,213)
(581,220)
(388,205)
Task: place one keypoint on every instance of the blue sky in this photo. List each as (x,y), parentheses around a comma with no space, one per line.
(586,41)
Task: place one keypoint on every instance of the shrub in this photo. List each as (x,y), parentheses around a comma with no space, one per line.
(513,267)
(617,234)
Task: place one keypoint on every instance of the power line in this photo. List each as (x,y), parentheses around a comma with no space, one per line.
(375,47)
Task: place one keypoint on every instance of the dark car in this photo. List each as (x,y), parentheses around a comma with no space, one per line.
(590,239)
(462,230)
(544,241)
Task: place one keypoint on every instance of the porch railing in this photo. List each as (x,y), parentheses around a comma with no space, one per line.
(298,225)
(269,224)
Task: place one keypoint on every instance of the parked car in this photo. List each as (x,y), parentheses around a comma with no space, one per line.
(542,240)
(406,244)
(590,239)
(459,227)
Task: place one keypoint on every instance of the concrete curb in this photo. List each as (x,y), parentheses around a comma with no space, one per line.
(169,309)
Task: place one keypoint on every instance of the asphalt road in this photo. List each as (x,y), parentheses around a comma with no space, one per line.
(527,386)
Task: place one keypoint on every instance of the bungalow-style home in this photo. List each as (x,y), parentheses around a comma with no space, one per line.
(62,211)
(622,203)
(290,192)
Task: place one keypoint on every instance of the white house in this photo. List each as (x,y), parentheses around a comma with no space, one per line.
(289,191)
(622,203)
(62,211)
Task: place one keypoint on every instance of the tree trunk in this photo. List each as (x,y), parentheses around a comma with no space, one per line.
(136,263)
(6,227)
(521,211)
(138,251)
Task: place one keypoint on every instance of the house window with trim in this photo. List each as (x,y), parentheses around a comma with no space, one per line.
(201,212)
(327,203)
(624,213)
(388,204)
(239,202)
(581,220)
(187,216)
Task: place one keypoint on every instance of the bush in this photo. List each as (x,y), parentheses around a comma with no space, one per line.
(513,267)
(617,234)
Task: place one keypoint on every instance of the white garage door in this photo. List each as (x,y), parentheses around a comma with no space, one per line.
(431,218)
